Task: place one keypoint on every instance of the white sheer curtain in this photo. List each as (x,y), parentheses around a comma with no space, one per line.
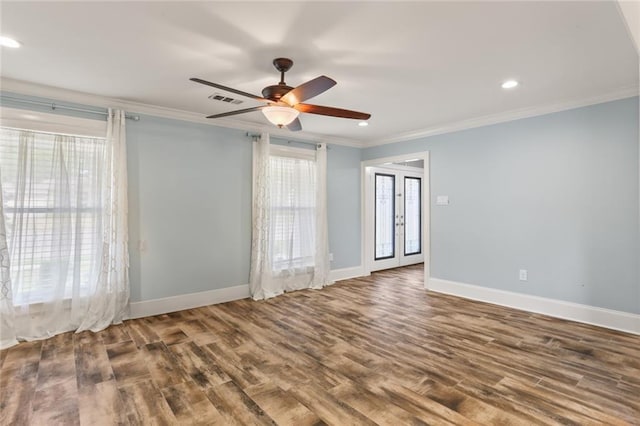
(65,206)
(289,239)
(108,300)
(261,283)
(322,265)
(7,328)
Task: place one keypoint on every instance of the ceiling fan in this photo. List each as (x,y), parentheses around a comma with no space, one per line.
(283,103)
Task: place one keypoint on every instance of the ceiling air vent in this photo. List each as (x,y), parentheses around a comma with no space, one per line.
(223,98)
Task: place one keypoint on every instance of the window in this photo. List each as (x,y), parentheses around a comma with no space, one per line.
(293,209)
(412,215)
(64,216)
(51,187)
(385,216)
(289,239)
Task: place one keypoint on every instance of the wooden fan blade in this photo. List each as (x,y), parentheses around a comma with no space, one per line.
(240,111)
(229,89)
(295,125)
(308,90)
(333,112)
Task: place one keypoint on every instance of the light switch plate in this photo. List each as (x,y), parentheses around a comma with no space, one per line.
(442,200)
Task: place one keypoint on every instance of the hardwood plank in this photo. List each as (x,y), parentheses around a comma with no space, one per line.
(231,364)
(199,365)
(282,407)
(56,404)
(144,404)
(236,406)
(57,363)
(127,363)
(17,390)
(162,365)
(142,332)
(23,354)
(327,407)
(92,364)
(101,404)
(569,409)
(191,405)
(374,407)
(116,333)
(419,405)
(173,335)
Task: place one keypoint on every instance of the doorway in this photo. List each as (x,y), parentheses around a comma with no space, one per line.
(395,206)
(397,221)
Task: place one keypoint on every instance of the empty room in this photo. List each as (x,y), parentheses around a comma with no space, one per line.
(310,213)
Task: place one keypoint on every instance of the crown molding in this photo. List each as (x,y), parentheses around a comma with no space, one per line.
(43,91)
(454,126)
(71,96)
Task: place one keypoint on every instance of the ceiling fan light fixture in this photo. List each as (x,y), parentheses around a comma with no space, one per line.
(279,115)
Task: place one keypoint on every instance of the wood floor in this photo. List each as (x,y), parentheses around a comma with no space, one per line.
(375,350)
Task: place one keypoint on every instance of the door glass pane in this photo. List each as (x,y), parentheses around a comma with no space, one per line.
(412,228)
(384,216)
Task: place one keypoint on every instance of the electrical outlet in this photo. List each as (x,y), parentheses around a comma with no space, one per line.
(523,275)
(330,257)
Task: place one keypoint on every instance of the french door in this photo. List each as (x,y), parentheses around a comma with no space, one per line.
(397,220)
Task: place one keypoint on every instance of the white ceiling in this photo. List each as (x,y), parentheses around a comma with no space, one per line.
(416,67)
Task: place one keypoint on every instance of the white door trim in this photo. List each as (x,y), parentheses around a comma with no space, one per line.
(366,242)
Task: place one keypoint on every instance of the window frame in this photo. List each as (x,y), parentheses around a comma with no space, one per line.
(393,215)
(42,122)
(404,244)
(53,124)
(295,153)
(292,152)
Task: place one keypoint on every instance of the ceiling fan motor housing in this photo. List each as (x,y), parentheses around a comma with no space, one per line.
(276,91)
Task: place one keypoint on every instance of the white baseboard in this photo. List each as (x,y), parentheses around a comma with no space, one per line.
(616,320)
(346,273)
(181,302)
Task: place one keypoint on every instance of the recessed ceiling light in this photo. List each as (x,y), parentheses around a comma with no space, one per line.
(509,84)
(363,124)
(8,42)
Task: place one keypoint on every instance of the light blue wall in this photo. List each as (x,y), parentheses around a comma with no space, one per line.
(343,203)
(554,194)
(190,203)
